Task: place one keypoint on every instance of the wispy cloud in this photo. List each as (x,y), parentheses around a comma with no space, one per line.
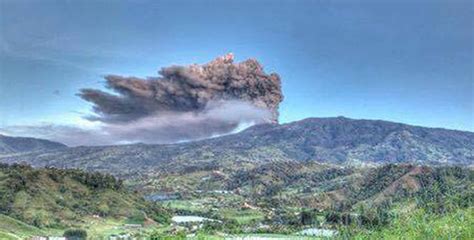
(167,127)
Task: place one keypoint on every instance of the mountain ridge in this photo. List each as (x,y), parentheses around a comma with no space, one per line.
(336,140)
(9,144)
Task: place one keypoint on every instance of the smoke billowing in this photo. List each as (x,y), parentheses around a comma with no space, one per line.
(215,119)
(183,103)
(187,89)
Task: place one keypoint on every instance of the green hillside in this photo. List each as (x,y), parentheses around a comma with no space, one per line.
(60,199)
(13,229)
(279,198)
(287,197)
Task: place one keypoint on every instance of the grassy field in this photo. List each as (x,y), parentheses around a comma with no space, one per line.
(100,228)
(96,228)
(225,212)
(268,236)
(13,229)
(423,225)
(251,237)
(8,236)
(190,205)
(242,216)
(203,236)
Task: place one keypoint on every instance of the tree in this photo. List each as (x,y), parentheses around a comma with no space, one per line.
(307,217)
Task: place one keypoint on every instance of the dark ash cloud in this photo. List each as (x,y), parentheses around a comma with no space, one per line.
(184,103)
(186,89)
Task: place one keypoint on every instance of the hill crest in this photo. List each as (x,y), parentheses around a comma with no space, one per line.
(330,140)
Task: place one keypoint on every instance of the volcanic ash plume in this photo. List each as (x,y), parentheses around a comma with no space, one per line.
(194,93)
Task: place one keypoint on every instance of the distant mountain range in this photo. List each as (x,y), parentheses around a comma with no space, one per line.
(24,144)
(330,140)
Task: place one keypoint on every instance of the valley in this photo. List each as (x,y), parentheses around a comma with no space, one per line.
(236,120)
(277,200)
(317,178)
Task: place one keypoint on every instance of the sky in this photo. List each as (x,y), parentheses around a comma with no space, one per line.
(403,61)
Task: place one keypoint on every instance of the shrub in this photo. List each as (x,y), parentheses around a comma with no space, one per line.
(75,234)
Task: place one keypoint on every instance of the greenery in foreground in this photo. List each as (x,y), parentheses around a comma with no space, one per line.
(458,224)
(49,201)
(389,202)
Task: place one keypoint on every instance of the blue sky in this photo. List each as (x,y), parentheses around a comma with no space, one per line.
(404,61)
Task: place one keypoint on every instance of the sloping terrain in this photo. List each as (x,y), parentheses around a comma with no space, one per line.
(50,197)
(23,144)
(11,228)
(331,140)
(320,186)
(281,194)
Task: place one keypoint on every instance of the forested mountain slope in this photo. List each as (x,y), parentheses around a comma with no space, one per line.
(331,140)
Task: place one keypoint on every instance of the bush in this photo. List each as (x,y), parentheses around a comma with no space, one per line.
(75,234)
(163,236)
(307,217)
(137,217)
